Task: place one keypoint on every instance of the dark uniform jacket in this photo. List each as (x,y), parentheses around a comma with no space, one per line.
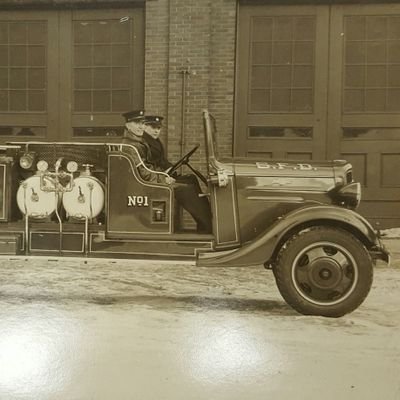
(156,155)
(144,151)
(186,187)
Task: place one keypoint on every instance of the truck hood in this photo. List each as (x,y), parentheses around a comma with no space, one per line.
(284,175)
(285,168)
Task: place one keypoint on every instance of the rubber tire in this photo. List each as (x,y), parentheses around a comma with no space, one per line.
(283,271)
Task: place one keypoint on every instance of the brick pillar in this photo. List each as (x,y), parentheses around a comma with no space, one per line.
(195,38)
(222,71)
(156,57)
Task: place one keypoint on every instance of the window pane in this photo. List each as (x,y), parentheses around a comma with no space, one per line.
(4,56)
(262,28)
(3,78)
(36,100)
(394,99)
(267,132)
(304,28)
(376,76)
(108,131)
(3,33)
(375,100)
(280,100)
(102,55)
(261,77)
(355,76)
(353,100)
(101,32)
(283,28)
(18,56)
(121,78)
(262,53)
(17,33)
(3,100)
(393,28)
(394,75)
(259,100)
(376,27)
(36,78)
(18,100)
(394,52)
(302,100)
(355,53)
(376,52)
(282,53)
(83,78)
(83,56)
(22,131)
(83,101)
(303,76)
(120,32)
(304,53)
(101,101)
(18,78)
(83,32)
(355,28)
(120,55)
(37,33)
(121,100)
(102,78)
(281,76)
(36,56)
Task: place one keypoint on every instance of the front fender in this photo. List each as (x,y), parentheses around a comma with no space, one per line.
(265,247)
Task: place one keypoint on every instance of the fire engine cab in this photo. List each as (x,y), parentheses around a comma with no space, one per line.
(296,218)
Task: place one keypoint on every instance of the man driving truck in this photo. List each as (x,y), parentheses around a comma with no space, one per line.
(143,133)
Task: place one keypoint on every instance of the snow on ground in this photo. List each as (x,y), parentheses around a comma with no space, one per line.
(390,233)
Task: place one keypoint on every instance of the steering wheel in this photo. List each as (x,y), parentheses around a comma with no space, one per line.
(183,160)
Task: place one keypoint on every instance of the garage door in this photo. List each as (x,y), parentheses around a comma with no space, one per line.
(69,74)
(322,82)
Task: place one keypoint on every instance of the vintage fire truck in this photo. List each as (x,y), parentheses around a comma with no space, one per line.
(296,218)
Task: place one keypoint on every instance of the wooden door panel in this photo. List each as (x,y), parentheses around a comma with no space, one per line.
(364,102)
(28,75)
(102,69)
(281,85)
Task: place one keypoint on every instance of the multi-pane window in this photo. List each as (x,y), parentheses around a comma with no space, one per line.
(102,65)
(372,64)
(282,64)
(23,48)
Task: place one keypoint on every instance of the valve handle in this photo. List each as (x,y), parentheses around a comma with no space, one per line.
(87,168)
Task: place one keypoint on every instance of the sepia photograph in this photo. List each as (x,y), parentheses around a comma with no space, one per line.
(199,199)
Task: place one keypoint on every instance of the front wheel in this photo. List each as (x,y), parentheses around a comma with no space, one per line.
(324,271)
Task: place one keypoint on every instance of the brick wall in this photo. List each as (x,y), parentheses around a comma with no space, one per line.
(195,40)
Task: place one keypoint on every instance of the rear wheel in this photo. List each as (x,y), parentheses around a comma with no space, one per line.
(324,271)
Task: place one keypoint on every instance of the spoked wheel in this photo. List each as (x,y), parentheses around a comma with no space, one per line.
(324,271)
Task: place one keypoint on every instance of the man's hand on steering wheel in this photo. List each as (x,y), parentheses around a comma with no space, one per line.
(182,161)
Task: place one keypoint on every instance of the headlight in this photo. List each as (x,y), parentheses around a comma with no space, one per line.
(26,160)
(42,166)
(350,194)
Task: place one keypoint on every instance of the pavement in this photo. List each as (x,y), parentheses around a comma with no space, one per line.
(393,245)
(148,330)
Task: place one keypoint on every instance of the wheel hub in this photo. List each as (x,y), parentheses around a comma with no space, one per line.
(325,273)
